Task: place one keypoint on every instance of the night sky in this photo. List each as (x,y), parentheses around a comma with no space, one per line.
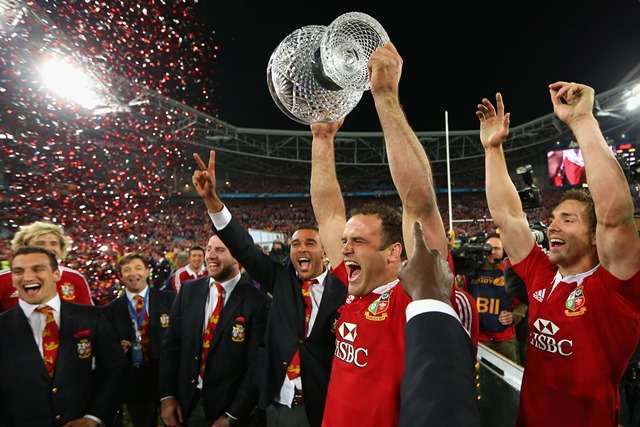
(454,54)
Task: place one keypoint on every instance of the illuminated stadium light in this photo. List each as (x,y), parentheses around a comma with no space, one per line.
(70,82)
(632,98)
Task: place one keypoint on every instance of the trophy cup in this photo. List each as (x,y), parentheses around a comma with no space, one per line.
(318,73)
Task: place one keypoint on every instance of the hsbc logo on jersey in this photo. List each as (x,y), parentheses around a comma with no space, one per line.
(348,331)
(345,350)
(545,338)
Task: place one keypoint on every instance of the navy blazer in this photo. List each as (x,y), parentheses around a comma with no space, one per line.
(438,385)
(285,328)
(141,384)
(229,383)
(29,397)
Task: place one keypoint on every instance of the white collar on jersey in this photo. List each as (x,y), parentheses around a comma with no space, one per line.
(386,287)
(572,278)
(195,273)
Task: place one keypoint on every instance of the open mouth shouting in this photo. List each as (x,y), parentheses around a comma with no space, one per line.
(353,270)
(32,289)
(555,243)
(304,263)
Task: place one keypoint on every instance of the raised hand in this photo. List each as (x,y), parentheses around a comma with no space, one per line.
(326,131)
(572,102)
(494,124)
(426,275)
(385,69)
(204,181)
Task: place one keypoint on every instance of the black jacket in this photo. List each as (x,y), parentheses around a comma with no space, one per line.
(141,384)
(438,385)
(285,329)
(229,383)
(29,397)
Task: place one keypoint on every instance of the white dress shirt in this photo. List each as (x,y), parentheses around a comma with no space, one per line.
(38,321)
(142,293)
(212,302)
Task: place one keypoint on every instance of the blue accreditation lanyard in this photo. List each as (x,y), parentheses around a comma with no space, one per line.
(135,318)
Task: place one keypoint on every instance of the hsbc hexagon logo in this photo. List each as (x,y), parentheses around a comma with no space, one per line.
(348,331)
(345,349)
(546,326)
(545,338)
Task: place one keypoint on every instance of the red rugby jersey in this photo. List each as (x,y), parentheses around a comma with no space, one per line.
(582,333)
(72,287)
(184,274)
(369,355)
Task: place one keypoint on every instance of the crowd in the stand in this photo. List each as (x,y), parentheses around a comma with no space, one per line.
(131,224)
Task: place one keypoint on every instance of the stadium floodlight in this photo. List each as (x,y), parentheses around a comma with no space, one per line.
(632,98)
(71,82)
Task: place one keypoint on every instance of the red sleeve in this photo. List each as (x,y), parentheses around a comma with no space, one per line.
(82,290)
(8,294)
(628,289)
(340,272)
(536,263)
(465,306)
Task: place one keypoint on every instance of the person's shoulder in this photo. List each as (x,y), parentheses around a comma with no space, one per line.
(9,316)
(81,310)
(403,297)
(115,302)
(70,271)
(164,295)
(5,276)
(251,292)
(603,276)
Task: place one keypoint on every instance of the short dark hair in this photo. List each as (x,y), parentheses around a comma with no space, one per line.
(28,250)
(584,197)
(391,222)
(308,226)
(493,235)
(196,248)
(127,258)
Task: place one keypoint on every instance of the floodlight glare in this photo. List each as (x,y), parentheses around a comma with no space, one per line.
(70,82)
(632,98)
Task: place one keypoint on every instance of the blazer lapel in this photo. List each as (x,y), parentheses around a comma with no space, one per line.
(124,318)
(199,299)
(228,311)
(327,304)
(26,346)
(66,350)
(153,308)
(298,302)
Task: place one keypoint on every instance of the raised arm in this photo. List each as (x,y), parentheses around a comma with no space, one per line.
(234,236)
(326,196)
(616,235)
(502,196)
(408,162)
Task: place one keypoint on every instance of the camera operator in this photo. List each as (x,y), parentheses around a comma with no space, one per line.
(498,311)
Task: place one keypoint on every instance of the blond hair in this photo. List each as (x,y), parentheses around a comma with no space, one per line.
(28,233)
